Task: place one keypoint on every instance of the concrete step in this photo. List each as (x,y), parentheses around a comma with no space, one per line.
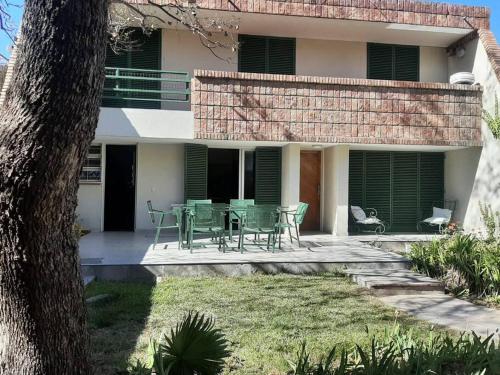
(395,281)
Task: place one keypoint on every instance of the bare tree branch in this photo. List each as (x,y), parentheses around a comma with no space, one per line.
(7,24)
(214,34)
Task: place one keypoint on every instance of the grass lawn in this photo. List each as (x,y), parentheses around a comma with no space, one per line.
(264,317)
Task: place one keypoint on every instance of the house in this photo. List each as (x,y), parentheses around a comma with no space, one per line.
(332,102)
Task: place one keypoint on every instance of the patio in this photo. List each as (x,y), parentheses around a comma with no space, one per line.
(130,255)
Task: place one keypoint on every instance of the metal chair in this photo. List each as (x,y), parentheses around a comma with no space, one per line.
(441,217)
(190,207)
(259,219)
(297,217)
(239,207)
(366,223)
(206,219)
(158,220)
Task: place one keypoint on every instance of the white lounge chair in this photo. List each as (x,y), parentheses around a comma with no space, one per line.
(367,223)
(441,218)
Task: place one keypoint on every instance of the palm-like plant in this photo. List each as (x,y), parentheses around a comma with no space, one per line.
(493,119)
(194,347)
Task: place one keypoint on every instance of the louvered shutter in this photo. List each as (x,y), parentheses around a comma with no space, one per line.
(380,61)
(393,62)
(356,181)
(281,56)
(195,171)
(431,182)
(406,63)
(252,54)
(268,175)
(147,55)
(404,192)
(378,184)
(114,60)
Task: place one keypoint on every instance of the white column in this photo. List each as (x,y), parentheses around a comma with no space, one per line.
(336,190)
(290,175)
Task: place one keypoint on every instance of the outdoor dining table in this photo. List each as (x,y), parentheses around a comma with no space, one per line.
(239,211)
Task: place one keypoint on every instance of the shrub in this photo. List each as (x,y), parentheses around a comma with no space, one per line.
(466,264)
(194,347)
(400,353)
(493,119)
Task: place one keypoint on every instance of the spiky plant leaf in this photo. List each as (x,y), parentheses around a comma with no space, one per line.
(493,119)
(194,347)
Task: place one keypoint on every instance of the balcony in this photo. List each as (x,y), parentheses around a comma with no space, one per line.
(141,88)
(264,107)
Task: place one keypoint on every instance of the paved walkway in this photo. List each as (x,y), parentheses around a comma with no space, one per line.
(448,311)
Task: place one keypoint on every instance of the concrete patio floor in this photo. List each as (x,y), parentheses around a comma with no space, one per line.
(136,248)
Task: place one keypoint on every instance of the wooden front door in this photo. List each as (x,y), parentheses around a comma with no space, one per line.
(310,188)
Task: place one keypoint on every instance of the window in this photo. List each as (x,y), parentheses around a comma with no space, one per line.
(263,54)
(393,62)
(91,171)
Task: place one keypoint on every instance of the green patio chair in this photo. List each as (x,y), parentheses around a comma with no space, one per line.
(158,218)
(293,220)
(206,219)
(259,219)
(236,214)
(190,206)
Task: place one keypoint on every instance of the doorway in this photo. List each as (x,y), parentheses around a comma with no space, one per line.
(119,192)
(223,174)
(310,188)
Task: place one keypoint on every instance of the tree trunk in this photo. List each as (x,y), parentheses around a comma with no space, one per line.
(46,125)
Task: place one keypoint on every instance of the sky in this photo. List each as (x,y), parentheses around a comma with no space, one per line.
(494,5)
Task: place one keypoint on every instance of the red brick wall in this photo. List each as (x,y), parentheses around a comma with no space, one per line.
(263,107)
(391,11)
(492,49)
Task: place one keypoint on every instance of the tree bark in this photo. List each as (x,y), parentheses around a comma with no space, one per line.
(46,125)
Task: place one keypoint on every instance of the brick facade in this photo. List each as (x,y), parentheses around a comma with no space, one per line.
(391,11)
(492,49)
(263,107)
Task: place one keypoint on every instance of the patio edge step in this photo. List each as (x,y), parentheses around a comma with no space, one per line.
(394,282)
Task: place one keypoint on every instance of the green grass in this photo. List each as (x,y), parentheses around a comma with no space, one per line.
(264,317)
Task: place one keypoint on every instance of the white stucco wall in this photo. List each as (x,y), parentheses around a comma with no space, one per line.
(336,190)
(433,64)
(90,209)
(183,51)
(133,124)
(160,178)
(331,58)
(290,175)
(485,178)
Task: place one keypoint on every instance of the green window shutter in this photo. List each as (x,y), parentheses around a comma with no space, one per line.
(252,54)
(268,175)
(402,186)
(195,171)
(146,55)
(431,182)
(281,56)
(404,191)
(261,54)
(407,63)
(114,60)
(393,62)
(356,180)
(380,61)
(378,184)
